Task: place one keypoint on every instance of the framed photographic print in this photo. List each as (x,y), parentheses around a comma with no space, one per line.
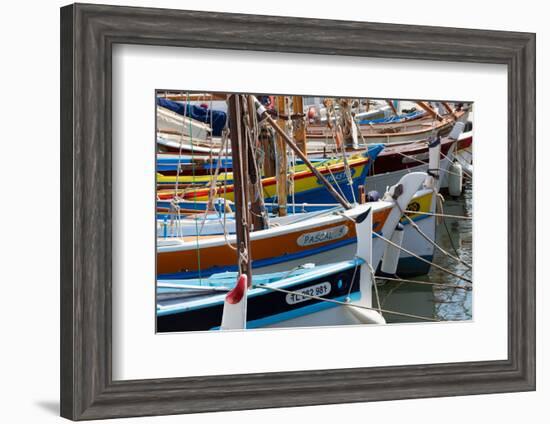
(265,212)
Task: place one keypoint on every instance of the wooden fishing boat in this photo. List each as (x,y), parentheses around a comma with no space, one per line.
(419,125)
(321,239)
(389,166)
(226,177)
(174,164)
(275,298)
(405,157)
(319,137)
(186,164)
(188,222)
(370,110)
(219,223)
(398,159)
(307,187)
(362,119)
(183,307)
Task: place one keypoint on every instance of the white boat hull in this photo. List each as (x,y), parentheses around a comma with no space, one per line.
(171,122)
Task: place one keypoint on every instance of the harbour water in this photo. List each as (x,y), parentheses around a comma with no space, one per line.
(444,304)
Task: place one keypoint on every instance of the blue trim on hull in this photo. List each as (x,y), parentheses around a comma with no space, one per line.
(339,182)
(406,266)
(258,263)
(322,195)
(296,313)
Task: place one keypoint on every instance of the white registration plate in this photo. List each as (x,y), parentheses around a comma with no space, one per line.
(304,294)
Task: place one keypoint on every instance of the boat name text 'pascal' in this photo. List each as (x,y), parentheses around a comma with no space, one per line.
(322,236)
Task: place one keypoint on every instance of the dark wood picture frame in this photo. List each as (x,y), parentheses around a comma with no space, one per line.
(88,33)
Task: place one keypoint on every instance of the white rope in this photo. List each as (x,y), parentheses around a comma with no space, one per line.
(430,283)
(433,243)
(426,163)
(373,279)
(422,259)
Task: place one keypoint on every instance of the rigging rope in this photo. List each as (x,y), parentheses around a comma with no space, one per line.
(433,243)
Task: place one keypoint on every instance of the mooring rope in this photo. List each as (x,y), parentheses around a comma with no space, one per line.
(464,172)
(338,302)
(426,163)
(430,283)
(373,277)
(434,244)
(409,252)
(422,259)
(440,200)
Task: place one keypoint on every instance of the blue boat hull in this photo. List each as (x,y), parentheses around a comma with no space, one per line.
(267,307)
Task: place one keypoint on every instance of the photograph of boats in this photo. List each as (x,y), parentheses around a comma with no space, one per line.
(301,211)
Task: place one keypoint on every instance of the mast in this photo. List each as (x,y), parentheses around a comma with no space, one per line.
(264,115)
(242,215)
(392,107)
(280,149)
(266,140)
(255,189)
(300,128)
(448,108)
